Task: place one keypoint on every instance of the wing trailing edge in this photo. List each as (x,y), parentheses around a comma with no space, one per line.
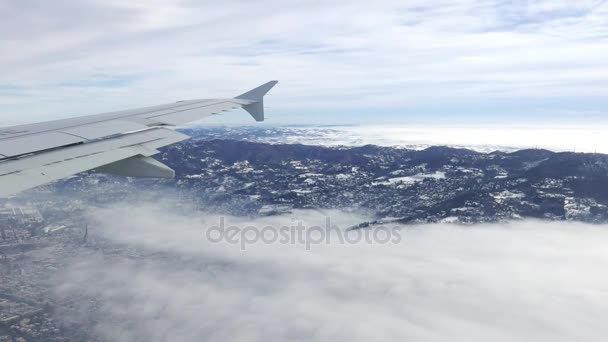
(38,169)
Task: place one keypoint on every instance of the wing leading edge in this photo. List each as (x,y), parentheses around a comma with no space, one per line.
(119,142)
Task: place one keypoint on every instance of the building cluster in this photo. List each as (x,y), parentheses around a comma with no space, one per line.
(31,247)
(437,184)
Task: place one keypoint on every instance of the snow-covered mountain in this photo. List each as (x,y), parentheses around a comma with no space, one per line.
(436,184)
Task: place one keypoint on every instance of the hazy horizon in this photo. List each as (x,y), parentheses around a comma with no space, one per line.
(482,138)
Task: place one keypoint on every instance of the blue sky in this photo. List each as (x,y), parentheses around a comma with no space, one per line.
(486,61)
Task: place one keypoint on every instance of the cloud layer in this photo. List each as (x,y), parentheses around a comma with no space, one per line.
(483,138)
(466,58)
(522,281)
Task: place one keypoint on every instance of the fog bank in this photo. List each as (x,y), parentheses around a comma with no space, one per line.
(528,280)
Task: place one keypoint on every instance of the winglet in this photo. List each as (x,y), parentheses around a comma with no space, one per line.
(256,109)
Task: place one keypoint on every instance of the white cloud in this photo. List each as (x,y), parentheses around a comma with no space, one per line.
(482,137)
(521,281)
(345,54)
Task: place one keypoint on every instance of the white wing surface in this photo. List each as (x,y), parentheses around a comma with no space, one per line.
(119,142)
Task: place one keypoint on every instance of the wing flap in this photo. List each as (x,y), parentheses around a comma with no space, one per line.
(30,143)
(138,166)
(31,171)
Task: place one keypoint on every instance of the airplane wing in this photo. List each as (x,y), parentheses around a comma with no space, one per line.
(118,142)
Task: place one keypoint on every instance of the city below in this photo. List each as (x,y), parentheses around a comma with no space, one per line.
(248,173)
